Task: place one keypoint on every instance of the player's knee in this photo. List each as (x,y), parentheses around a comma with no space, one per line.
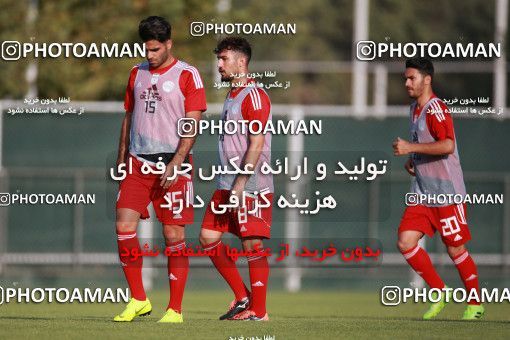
(173,233)
(455,251)
(405,244)
(203,240)
(252,244)
(125,227)
(207,237)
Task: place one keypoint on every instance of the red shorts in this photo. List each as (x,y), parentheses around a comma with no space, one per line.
(451,221)
(137,191)
(241,222)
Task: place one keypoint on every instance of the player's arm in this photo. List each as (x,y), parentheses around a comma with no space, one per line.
(252,155)
(124,139)
(193,90)
(409,166)
(437,148)
(440,125)
(256,106)
(129,103)
(186,143)
(183,148)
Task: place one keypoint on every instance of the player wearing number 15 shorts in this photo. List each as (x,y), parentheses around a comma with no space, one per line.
(437,175)
(250,222)
(160,91)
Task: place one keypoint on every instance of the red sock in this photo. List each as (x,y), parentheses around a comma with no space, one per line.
(468,273)
(419,260)
(131,265)
(227,268)
(178,267)
(259,273)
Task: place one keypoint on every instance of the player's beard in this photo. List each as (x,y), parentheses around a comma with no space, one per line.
(416,92)
(226,77)
(155,63)
(420,90)
(158,61)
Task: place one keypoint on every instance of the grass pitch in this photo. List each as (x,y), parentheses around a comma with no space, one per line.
(306,315)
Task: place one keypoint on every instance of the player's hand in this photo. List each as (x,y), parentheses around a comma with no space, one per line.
(169,172)
(401,147)
(410,167)
(237,191)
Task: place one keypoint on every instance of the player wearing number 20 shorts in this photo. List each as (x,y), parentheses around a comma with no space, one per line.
(251,221)
(435,166)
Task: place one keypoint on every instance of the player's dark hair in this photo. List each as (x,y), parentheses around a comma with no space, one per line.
(236,44)
(423,65)
(155,28)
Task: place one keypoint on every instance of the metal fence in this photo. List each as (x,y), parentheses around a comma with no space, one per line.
(293,230)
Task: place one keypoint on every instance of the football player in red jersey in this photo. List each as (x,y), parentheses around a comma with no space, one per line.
(435,166)
(160,92)
(250,222)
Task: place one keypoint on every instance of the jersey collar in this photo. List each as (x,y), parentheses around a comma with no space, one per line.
(417,111)
(236,90)
(164,69)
